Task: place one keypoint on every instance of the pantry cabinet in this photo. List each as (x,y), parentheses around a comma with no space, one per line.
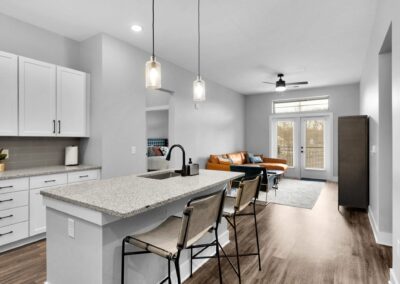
(8,94)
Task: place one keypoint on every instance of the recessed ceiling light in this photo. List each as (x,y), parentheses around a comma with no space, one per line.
(136,28)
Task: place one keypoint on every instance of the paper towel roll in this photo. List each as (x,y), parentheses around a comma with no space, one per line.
(71,156)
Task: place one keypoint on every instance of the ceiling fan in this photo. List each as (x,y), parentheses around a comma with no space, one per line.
(280,85)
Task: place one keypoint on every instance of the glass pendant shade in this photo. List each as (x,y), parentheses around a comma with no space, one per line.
(199,90)
(280,88)
(153,74)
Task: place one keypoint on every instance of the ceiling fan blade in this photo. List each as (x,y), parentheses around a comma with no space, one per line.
(297,83)
(268,83)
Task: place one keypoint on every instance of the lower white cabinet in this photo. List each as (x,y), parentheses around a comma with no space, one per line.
(14,232)
(37,213)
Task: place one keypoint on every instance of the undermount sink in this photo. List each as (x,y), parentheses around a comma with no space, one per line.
(163,175)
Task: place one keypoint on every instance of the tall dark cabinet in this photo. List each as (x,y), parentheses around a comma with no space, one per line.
(354,161)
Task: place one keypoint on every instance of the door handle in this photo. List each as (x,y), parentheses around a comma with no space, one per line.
(52,180)
(54,126)
(59,127)
(6,200)
(8,186)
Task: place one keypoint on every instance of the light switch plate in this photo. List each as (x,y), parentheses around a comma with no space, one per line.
(71,228)
(133,150)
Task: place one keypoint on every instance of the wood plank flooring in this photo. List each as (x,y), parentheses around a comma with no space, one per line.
(297,246)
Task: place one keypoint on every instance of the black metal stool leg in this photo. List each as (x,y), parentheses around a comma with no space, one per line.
(191,262)
(217,252)
(123,262)
(237,247)
(169,271)
(258,244)
(177,269)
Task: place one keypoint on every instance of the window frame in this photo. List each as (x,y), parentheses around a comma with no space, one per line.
(299,101)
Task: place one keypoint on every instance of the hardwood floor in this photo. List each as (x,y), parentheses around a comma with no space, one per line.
(297,246)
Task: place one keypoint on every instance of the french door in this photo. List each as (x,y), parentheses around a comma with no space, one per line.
(305,142)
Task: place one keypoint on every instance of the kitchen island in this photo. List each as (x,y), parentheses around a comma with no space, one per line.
(87,222)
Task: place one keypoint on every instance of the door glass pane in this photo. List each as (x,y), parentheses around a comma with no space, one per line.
(315,147)
(285,141)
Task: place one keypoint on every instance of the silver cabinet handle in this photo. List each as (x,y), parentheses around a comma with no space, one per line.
(8,186)
(59,127)
(6,200)
(52,180)
(4,217)
(85,176)
(54,126)
(10,232)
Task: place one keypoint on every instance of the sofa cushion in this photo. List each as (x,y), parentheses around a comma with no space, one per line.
(224,161)
(236,158)
(214,159)
(274,166)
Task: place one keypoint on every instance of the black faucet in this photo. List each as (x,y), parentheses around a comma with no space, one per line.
(183,172)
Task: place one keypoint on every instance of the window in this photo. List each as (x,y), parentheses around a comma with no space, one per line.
(302,105)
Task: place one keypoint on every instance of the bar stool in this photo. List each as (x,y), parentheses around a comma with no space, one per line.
(246,195)
(201,215)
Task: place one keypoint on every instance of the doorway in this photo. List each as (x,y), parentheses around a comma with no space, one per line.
(305,142)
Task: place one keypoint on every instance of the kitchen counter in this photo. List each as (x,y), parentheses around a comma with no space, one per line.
(39,171)
(87,222)
(131,195)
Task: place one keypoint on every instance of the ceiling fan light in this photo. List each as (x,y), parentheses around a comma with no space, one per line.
(153,74)
(280,88)
(199,90)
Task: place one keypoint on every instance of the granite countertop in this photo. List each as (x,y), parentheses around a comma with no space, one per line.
(131,195)
(39,171)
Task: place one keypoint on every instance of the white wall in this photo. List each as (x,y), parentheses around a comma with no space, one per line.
(388,11)
(120,99)
(343,100)
(157,124)
(27,40)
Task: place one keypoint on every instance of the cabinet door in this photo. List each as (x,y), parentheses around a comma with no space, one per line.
(37,98)
(71,102)
(8,94)
(37,213)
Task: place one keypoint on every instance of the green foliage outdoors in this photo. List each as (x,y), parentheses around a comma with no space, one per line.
(2,156)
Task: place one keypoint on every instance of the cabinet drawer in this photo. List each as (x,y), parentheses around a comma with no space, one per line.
(49,180)
(12,233)
(14,199)
(11,185)
(83,176)
(13,216)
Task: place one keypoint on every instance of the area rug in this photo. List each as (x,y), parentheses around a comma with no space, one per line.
(295,193)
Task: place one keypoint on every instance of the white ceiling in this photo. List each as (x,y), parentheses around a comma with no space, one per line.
(243,42)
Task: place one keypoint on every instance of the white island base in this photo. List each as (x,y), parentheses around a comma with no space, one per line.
(84,245)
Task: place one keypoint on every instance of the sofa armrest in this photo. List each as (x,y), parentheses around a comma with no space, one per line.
(273,160)
(218,167)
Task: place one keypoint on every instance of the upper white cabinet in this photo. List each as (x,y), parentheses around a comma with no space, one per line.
(53,100)
(71,102)
(37,98)
(8,94)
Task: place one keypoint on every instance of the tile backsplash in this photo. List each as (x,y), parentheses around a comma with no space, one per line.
(28,152)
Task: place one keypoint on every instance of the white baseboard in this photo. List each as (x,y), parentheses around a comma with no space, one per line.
(333,179)
(22,242)
(382,238)
(393,278)
(185,266)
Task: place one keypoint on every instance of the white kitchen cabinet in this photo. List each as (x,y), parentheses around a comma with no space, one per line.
(37,213)
(37,98)
(8,94)
(72,102)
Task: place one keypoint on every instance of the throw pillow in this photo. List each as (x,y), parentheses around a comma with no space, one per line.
(257,159)
(164,150)
(250,157)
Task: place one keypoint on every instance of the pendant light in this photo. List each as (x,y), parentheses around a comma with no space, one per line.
(153,68)
(199,86)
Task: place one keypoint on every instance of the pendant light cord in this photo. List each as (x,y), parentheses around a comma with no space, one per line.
(153,28)
(198,38)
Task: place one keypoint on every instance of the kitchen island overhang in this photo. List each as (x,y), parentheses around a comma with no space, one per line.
(87,222)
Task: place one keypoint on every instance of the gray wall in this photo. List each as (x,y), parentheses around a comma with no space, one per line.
(118,110)
(343,100)
(27,40)
(157,124)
